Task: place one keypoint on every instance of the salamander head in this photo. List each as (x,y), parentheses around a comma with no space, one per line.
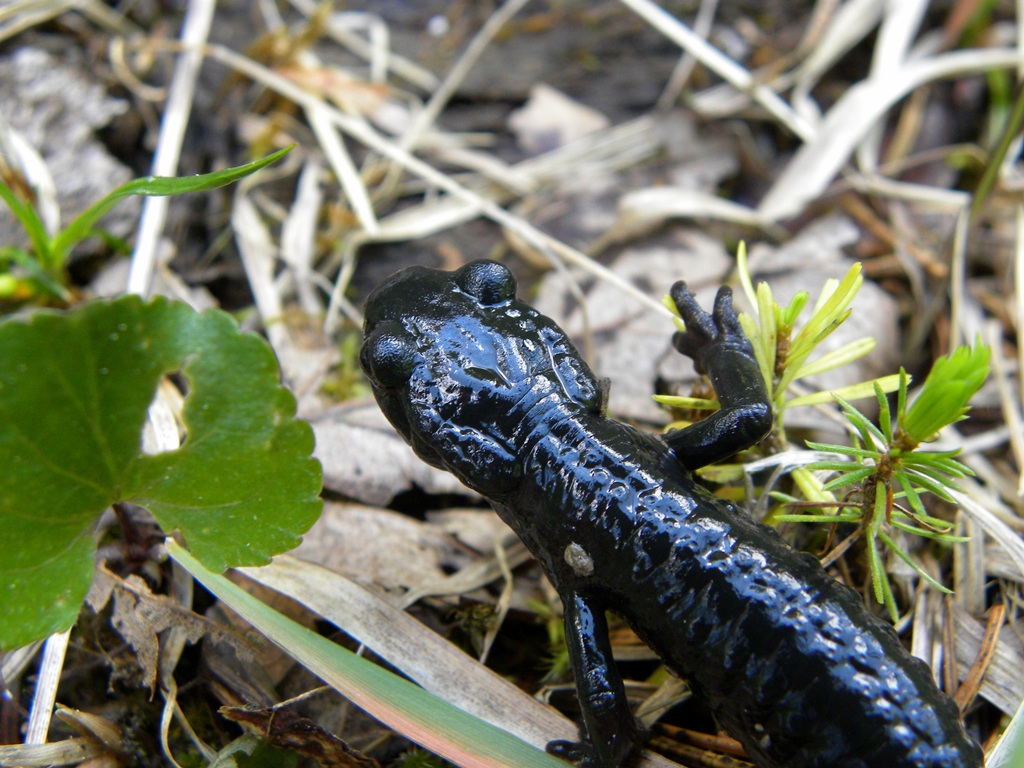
(458,365)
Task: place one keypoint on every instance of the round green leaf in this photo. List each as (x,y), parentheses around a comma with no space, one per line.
(74,391)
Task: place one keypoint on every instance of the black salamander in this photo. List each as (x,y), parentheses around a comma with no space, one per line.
(790,661)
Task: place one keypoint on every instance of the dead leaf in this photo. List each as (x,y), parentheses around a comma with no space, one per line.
(92,726)
(139,617)
(285,729)
(1003,685)
(383,547)
(365,460)
(550,119)
(476,528)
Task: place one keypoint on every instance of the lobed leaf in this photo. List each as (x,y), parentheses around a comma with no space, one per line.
(75,388)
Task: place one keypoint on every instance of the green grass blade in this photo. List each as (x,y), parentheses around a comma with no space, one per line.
(937,463)
(847,353)
(830,311)
(846,450)
(884,415)
(743,272)
(943,526)
(152,186)
(932,457)
(889,599)
(911,492)
(849,478)
(939,484)
(861,391)
(403,706)
(912,563)
(862,423)
(944,538)
(767,339)
(834,466)
(879,580)
(30,222)
(38,277)
(901,396)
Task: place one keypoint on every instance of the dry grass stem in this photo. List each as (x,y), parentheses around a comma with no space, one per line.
(180,96)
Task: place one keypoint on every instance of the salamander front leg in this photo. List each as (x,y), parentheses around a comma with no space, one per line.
(609,732)
(718,348)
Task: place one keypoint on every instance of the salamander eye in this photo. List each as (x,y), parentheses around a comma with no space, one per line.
(487,281)
(388,355)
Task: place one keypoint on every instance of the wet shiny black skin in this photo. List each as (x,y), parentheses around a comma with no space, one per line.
(789,660)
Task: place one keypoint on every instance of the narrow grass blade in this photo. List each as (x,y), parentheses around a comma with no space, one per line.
(911,562)
(434,724)
(156,186)
(30,222)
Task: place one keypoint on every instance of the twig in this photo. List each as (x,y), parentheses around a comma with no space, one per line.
(721,64)
(968,690)
(441,96)
(364,133)
(46,687)
(195,31)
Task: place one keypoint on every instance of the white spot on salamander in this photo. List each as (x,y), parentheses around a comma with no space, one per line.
(578,559)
